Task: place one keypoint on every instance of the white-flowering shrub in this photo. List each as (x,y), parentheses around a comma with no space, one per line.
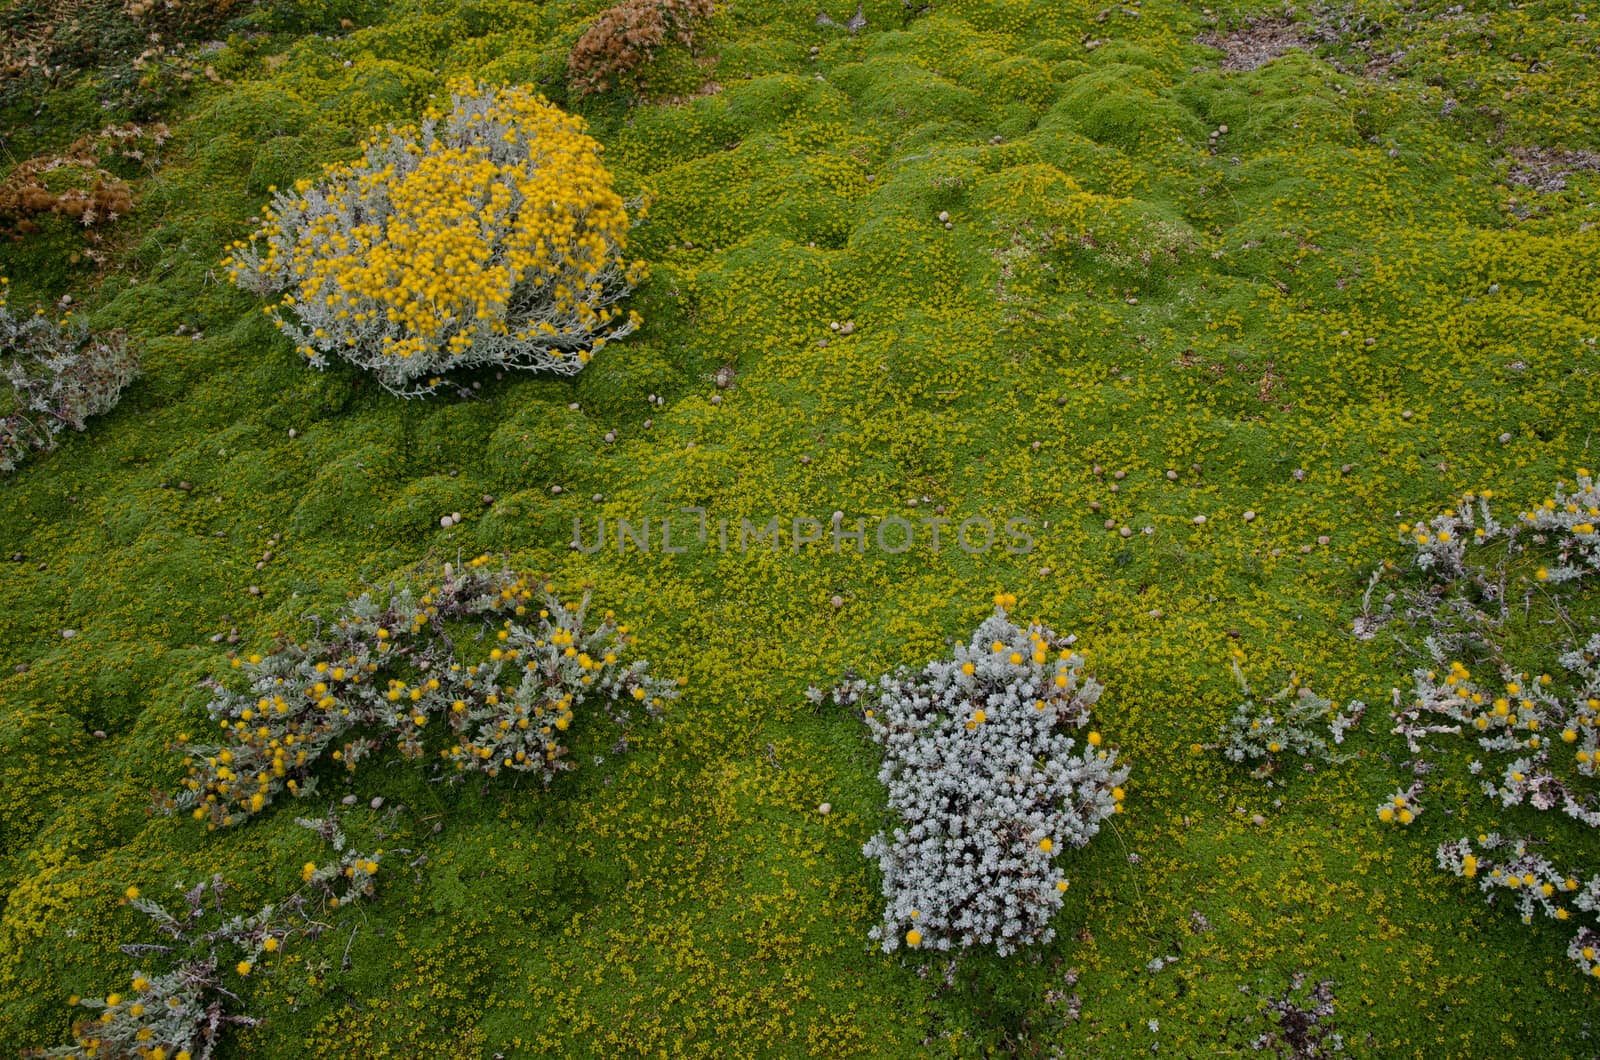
(1285,722)
(986,789)
(178,1002)
(393,670)
(488,236)
(59,374)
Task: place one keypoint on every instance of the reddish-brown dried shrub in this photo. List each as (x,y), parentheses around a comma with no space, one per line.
(625,37)
(73,183)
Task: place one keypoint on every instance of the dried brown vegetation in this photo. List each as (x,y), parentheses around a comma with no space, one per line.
(625,37)
(74,183)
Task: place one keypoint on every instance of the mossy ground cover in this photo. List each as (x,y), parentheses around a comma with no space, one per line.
(1329,314)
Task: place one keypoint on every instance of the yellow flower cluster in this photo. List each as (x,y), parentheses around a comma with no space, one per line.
(491,236)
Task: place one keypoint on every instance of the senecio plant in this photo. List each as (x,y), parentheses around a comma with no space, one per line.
(488,236)
(985,785)
(1284,723)
(178,1001)
(1537,735)
(391,671)
(60,375)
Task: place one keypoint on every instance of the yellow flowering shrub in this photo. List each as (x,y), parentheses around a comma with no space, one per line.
(1535,733)
(489,236)
(179,1010)
(389,667)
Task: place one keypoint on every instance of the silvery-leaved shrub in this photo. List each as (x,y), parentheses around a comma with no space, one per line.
(402,671)
(1287,722)
(1529,736)
(182,994)
(490,235)
(986,787)
(60,374)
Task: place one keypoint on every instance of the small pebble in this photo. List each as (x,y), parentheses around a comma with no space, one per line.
(254,590)
(377,802)
(1257,820)
(1111,524)
(1249,517)
(1035,447)
(837,602)
(825,809)
(1125,532)
(555,489)
(68,634)
(445,522)
(1406,415)
(1323,540)
(293,433)
(1172,476)
(348,800)
(1505,439)
(1199,520)
(1094,506)
(598,497)
(1299,474)
(847,328)
(573,406)
(944,215)
(99,734)
(611,436)
(1120,475)
(805,459)
(716,399)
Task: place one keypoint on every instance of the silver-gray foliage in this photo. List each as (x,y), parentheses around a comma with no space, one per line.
(986,787)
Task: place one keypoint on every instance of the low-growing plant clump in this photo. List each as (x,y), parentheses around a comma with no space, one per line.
(623,38)
(393,669)
(60,374)
(181,997)
(1285,722)
(1537,734)
(488,236)
(986,788)
(75,183)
